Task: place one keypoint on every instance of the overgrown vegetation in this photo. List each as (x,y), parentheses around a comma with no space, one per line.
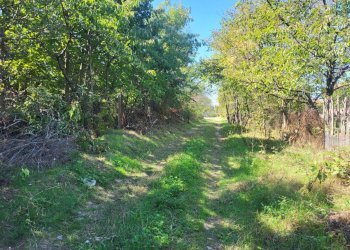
(68,67)
(274,60)
(336,164)
(185,187)
(265,202)
(72,71)
(82,62)
(38,206)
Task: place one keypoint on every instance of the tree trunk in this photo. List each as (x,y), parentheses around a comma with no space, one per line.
(328,114)
(237,121)
(347,113)
(331,125)
(121,121)
(67,95)
(265,128)
(227,110)
(324,114)
(228,113)
(284,116)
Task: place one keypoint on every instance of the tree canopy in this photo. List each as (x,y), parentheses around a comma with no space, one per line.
(284,52)
(93,62)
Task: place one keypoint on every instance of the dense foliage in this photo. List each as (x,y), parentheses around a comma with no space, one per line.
(93,64)
(281,55)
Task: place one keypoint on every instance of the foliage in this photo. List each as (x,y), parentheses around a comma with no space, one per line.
(91,145)
(278,56)
(232,129)
(201,106)
(336,165)
(25,172)
(264,198)
(70,61)
(272,46)
(44,109)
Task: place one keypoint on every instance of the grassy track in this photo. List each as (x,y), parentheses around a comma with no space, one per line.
(200,186)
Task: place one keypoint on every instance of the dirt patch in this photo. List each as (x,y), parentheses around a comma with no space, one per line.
(213,192)
(210,225)
(340,223)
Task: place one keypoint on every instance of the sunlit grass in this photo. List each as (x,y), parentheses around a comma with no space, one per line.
(264,193)
(45,204)
(161,191)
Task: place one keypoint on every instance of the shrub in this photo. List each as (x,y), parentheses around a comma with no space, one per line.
(90,144)
(169,193)
(336,164)
(46,110)
(232,129)
(184,167)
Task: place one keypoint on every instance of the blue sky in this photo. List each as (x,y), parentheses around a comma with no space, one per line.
(207,16)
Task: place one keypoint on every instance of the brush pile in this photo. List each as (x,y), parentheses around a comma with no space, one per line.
(20,147)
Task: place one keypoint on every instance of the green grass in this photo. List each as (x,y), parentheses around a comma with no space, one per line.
(162,190)
(265,200)
(45,204)
(162,217)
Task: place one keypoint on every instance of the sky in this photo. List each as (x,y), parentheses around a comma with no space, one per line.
(207,16)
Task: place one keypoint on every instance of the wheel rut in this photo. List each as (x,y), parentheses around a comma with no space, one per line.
(215,174)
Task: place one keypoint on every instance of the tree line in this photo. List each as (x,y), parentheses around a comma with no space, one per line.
(89,64)
(276,57)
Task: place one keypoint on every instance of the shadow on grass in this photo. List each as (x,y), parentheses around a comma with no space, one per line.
(272,216)
(151,148)
(46,203)
(241,150)
(42,204)
(263,211)
(160,216)
(242,145)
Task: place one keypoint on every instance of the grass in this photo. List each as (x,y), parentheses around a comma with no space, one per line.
(182,187)
(45,204)
(265,200)
(162,216)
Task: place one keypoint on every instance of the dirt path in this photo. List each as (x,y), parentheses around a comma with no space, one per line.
(120,197)
(100,216)
(109,209)
(214,174)
(193,188)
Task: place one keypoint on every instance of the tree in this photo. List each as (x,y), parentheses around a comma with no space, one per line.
(294,52)
(320,31)
(107,61)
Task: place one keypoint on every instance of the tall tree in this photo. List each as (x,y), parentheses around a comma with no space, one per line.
(102,61)
(292,51)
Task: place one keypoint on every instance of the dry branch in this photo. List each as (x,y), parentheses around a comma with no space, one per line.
(20,148)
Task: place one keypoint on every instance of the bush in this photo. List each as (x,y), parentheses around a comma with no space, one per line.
(45,110)
(90,144)
(187,114)
(184,167)
(168,194)
(337,164)
(232,129)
